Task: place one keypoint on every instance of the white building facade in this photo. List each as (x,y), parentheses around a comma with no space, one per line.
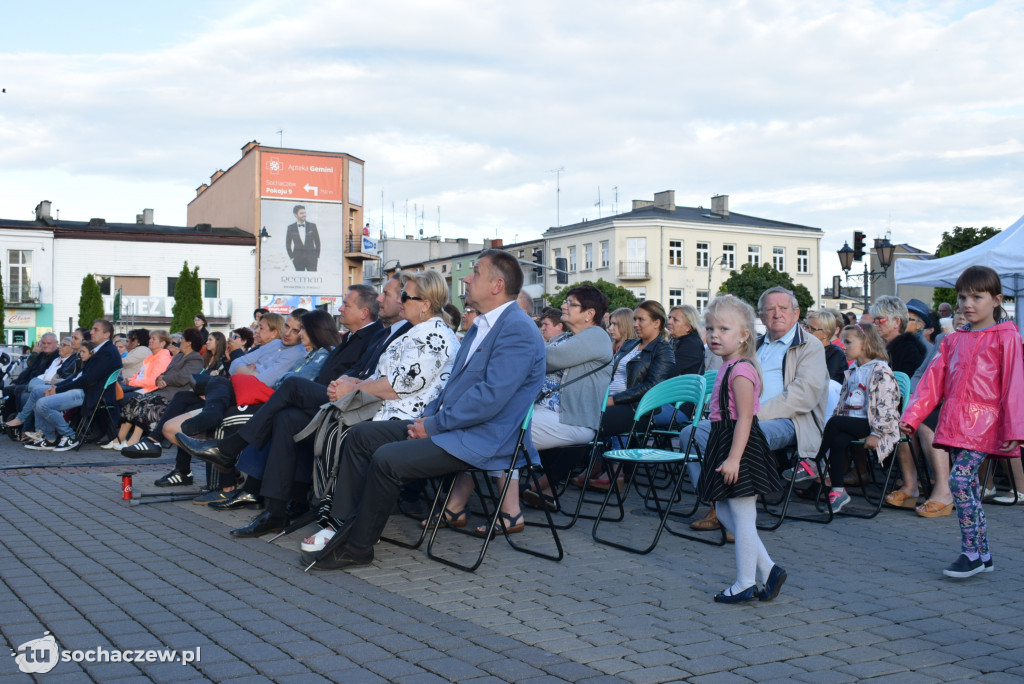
(682,255)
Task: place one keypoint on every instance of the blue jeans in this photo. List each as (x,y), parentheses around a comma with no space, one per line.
(779,432)
(34,392)
(50,410)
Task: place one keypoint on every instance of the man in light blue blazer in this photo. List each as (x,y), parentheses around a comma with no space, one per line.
(474,422)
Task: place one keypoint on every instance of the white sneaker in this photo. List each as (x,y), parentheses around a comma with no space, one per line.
(113,444)
(1010,498)
(320,540)
(66,443)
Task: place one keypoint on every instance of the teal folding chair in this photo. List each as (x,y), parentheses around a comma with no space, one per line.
(682,389)
(495,518)
(84,423)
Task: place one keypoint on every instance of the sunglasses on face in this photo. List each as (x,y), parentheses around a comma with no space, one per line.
(406,297)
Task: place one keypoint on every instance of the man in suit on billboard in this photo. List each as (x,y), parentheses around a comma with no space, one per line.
(302,241)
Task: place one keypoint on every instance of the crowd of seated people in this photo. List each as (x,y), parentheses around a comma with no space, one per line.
(441,405)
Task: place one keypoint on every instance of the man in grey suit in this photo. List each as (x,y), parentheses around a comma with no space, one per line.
(474,423)
(302,241)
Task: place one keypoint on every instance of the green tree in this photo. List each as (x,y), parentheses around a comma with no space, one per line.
(751,281)
(90,303)
(188,299)
(953,243)
(617,295)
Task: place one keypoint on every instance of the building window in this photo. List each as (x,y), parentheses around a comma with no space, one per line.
(639,292)
(779,258)
(211,288)
(675,298)
(556,253)
(702,300)
(729,257)
(754,255)
(604,254)
(106,284)
(171,284)
(588,256)
(19,280)
(703,254)
(572,259)
(675,252)
(803,261)
(458,265)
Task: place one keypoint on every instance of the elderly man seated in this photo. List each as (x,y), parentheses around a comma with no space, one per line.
(795,392)
(43,356)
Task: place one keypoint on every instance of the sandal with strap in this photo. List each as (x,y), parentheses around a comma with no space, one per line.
(934,509)
(538,501)
(513,524)
(450,518)
(900,499)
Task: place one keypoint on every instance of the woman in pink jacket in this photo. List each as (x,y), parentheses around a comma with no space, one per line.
(979,375)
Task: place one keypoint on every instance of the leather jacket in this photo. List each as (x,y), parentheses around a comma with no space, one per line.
(652,365)
(980,376)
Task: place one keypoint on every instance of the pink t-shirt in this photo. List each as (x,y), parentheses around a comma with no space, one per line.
(745,370)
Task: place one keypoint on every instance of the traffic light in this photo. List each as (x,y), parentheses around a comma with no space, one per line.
(538,258)
(858,245)
(562,271)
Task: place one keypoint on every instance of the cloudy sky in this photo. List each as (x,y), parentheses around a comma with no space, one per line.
(841,115)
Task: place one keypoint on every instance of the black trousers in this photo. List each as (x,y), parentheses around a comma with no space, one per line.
(839,432)
(219,395)
(288,410)
(376,461)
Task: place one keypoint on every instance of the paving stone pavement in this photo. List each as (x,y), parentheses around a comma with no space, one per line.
(865,599)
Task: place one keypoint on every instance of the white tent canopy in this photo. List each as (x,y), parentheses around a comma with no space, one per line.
(1003,252)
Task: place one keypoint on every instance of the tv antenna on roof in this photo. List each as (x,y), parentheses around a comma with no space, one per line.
(280,134)
(558,194)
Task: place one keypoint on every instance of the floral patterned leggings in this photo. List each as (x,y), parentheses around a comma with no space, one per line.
(963,482)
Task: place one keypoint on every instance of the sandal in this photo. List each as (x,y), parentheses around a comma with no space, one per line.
(538,501)
(603,483)
(318,541)
(708,523)
(934,509)
(449,519)
(513,524)
(900,499)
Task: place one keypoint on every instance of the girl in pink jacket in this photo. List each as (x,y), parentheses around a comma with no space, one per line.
(979,375)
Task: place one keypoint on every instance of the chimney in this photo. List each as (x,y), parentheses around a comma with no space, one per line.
(720,205)
(497,243)
(666,199)
(97,222)
(248,146)
(145,218)
(640,204)
(201,189)
(43,211)
(203,227)
(216,174)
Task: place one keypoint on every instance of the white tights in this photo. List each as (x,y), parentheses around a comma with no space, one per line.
(752,560)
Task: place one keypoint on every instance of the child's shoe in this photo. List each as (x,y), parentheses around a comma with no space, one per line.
(964,567)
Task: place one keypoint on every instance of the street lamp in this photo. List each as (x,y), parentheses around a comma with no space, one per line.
(710,267)
(883,249)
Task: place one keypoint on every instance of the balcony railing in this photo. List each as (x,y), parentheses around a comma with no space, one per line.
(24,295)
(634,270)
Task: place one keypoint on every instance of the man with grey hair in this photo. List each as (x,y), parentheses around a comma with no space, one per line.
(44,356)
(794,394)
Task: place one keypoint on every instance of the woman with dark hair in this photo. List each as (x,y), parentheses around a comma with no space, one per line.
(200,322)
(640,364)
(239,343)
(215,361)
(144,410)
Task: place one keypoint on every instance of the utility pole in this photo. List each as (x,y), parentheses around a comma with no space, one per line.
(558,194)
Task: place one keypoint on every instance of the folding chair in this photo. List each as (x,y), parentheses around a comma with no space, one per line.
(678,390)
(495,518)
(85,424)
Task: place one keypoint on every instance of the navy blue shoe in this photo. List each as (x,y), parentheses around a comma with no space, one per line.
(776,578)
(747,594)
(965,567)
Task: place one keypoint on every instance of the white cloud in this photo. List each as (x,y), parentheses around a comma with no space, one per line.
(836,114)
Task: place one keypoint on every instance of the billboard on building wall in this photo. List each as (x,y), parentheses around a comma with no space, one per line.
(301,177)
(304,253)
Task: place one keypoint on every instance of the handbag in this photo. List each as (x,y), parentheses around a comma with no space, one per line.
(354,407)
(544,394)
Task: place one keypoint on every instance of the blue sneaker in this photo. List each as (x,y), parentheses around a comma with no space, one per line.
(964,567)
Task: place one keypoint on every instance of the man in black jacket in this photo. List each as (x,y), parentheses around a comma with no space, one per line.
(85,389)
(289,409)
